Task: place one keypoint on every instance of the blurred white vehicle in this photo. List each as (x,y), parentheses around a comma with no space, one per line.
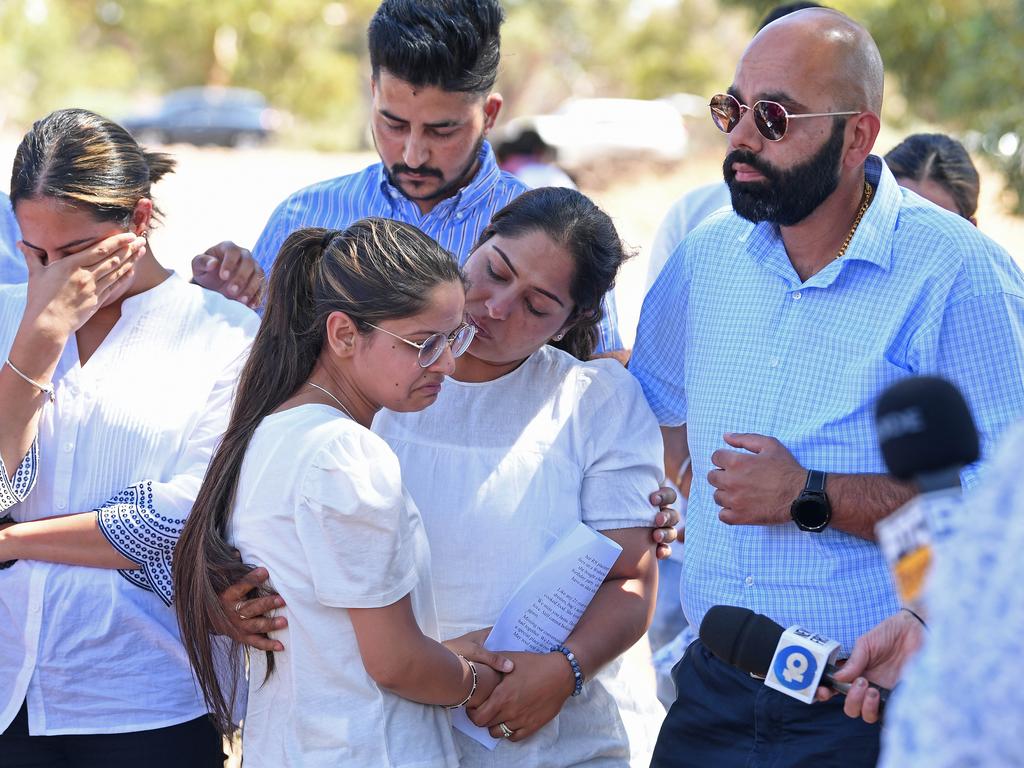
(585,131)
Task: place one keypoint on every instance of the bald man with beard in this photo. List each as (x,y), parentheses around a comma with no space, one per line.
(770,333)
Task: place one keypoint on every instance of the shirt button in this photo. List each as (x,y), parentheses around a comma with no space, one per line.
(69,447)
(796,296)
(774,362)
(61,505)
(749,581)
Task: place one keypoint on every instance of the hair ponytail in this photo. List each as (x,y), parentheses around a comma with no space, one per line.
(88,161)
(205,564)
(374,270)
(159,164)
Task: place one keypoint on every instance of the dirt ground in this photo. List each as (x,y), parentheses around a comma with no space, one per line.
(228,194)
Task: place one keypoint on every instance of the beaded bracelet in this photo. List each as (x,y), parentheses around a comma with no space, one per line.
(472,690)
(577,673)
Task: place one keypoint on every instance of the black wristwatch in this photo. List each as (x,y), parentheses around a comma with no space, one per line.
(811,510)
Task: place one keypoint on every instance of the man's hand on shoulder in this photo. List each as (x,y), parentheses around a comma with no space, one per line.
(757,484)
(231,271)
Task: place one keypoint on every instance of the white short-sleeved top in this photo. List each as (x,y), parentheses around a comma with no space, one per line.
(501,470)
(320,504)
(129,435)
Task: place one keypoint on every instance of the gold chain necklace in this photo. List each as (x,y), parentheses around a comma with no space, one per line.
(864,203)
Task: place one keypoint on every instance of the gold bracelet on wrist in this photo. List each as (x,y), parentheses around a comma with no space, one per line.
(472,689)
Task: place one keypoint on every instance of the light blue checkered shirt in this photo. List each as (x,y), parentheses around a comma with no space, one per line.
(455,223)
(730,340)
(12,263)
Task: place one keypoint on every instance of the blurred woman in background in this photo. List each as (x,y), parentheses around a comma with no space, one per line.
(939,169)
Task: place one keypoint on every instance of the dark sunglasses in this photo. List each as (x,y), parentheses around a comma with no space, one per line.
(770,117)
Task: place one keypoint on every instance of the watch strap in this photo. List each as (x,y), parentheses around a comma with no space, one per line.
(815,481)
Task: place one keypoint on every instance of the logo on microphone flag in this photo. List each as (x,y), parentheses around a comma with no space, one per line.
(799,662)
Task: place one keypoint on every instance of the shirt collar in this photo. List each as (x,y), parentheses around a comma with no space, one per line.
(166,291)
(872,242)
(482,183)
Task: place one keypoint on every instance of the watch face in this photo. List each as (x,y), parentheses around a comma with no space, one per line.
(811,512)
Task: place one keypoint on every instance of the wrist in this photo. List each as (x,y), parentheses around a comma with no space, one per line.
(39,338)
(6,558)
(474,681)
(571,669)
(912,616)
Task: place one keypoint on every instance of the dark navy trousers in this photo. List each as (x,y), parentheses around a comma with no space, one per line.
(195,744)
(724,718)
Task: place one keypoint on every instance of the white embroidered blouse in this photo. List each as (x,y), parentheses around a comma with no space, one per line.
(129,435)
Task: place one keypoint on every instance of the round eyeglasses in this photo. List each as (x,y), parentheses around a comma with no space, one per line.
(432,347)
(770,117)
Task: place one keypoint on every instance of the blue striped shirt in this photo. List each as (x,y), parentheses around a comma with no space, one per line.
(455,222)
(731,340)
(12,263)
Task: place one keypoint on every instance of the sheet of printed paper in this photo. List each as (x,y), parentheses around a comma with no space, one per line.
(545,608)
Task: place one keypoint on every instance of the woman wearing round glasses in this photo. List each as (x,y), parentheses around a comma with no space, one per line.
(356,320)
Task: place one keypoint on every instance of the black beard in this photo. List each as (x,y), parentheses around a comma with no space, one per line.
(786,197)
(446,190)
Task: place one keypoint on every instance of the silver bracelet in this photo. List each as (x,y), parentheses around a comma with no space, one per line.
(472,690)
(46,389)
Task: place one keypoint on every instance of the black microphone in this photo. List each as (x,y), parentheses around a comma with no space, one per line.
(926,432)
(927,435)
(749,642)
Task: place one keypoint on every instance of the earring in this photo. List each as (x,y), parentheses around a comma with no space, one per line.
(559,335)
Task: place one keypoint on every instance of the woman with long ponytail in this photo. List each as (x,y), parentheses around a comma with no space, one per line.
(115,386)
(356,320)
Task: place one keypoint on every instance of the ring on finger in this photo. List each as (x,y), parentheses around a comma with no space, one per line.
(506,732)
(238,610)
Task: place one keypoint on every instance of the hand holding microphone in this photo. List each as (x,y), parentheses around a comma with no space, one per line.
(880,655)
(793,661)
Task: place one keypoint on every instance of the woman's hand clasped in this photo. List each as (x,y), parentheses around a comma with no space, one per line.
(64,293)
(528,698)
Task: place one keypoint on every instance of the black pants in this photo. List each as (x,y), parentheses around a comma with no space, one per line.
(194,744)
(724,718)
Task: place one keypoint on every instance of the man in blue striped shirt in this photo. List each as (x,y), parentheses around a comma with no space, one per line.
(433,67)
(770,332)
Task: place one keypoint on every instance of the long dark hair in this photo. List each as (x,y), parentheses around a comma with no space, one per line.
(573,221)
(88,161)
(375,270)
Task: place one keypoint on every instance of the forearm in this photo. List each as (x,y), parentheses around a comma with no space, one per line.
(72,539)
(615,620)
(433,675)
(400,658)
(860,501)
(35,354)
(623,606)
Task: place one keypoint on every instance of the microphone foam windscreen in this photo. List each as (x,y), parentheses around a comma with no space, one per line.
(924,426)
(740,637)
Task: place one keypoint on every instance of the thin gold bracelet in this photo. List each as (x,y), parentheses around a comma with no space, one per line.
(472,690)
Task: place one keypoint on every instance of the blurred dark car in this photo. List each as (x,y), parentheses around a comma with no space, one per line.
(229,117)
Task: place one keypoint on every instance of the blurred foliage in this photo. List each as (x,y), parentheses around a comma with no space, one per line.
(954,63)
(957,64)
